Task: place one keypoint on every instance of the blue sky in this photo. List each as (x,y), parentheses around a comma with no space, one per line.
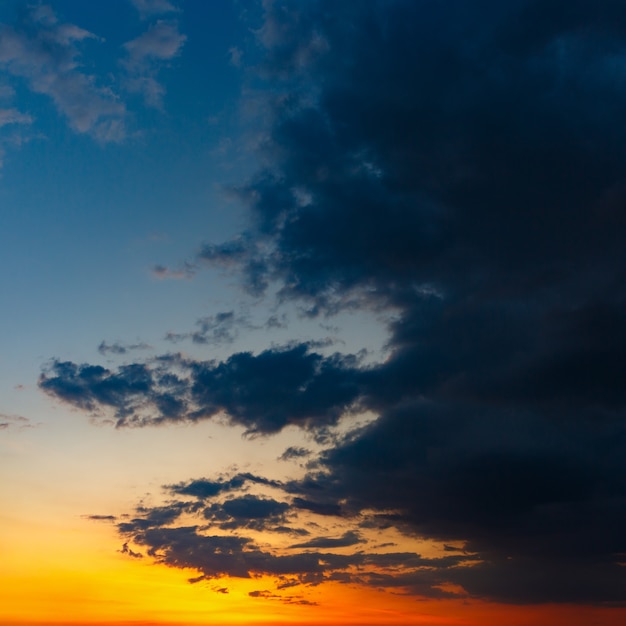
(86,219)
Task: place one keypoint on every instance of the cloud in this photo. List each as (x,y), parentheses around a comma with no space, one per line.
(14,421)
(264,392)
(350,538)
(248,511)
(233,554)
(149,8)
(15,122)
(294,452)
(459,167)
(120,348)
(220,328)
(126,550)
(146,56)
(45,53)
(13,116)
(185,273)
(203,488)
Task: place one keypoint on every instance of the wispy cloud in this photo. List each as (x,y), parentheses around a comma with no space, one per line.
(46,54)
(147,54)
(221,328)
(14,422)
(186,272)
(13,116)
(150,8)
(121,348)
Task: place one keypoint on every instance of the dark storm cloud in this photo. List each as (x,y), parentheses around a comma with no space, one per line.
(126,392)
(460,165)
(277,387)
(264,392)
(464,163)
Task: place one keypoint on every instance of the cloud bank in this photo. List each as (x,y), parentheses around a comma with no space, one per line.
(462,166)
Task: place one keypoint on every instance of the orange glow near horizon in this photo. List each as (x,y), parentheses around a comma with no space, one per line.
(72,574)
(74,585)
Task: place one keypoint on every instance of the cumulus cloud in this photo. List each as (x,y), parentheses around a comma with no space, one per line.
(45,52)
(461,167)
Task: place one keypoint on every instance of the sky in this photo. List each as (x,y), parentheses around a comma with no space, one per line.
(314,312)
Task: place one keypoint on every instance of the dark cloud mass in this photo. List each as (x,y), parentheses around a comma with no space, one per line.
(462,165)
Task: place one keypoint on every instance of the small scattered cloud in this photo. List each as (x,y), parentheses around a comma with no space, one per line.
(186,272)
(126,550)
(203,488)
(18,422)
(121,348)
(101,518)
(236,55)
(151,8)
(277,321)
(349,538)
(294,452)
(147,55)
(13,116)
(221,328)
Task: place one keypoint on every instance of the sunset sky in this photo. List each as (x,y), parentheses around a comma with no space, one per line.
(314,312)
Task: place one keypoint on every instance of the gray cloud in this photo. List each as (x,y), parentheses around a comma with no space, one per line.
(147,54)
(150,8)
(221,328)
(45,52)
(121,348)
(13,116)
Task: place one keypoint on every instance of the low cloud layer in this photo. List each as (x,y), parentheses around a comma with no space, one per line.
(461,166)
